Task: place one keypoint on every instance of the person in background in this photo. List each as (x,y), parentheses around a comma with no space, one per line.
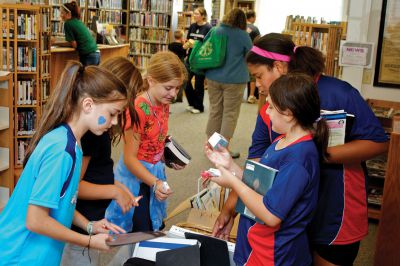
(254,33)
(78,35)
(98,187)
(177,48)
(226,83)
(340,220)
(287,207)
(141,167)
(197,31)
(36,220)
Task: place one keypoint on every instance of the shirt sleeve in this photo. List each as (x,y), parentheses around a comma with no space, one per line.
(69,34)
(260,139)
(288,187)
(53,172)
(90,146)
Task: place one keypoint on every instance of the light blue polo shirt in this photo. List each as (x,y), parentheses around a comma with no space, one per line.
(41,184)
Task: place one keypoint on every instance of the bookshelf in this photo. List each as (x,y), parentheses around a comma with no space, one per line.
(185,19)
(191,5)
(377,167)
(26,33)
(149,29)
(324,37)
(6,136)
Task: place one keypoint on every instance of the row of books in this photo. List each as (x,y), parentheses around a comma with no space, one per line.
(108,4)
(26,24)
(45,21)
(59,2)
(26,58)
(45,66)
(56,13)
(45,43)
(151,5)
(8,31)
(26,123)
(155,35)
(114,17)
(26,92)
(22,146)
(140,61)
(149,19)
(32,2)
(45,87)
(10,65)
(147,48)
(57,27)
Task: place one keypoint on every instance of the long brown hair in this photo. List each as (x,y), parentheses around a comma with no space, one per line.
(298,93)
(126,71)
(236,18)
(164,67)
(75,83)
(72,8)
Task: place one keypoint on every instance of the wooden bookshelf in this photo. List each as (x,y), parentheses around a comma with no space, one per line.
(324,37)
(6,136)
(26,48)
(149,29)
(388,236)
(378,167)
(191,5)
(185,19)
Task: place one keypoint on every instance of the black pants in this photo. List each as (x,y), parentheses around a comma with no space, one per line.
(141,217)
(195,96)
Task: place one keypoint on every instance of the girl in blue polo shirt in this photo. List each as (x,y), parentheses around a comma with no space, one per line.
(35,223)
(286,209)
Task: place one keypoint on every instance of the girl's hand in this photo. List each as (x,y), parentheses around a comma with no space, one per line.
(125,198)
(226,178)
(218,157)
(161,192)
(177,166)
(104,226)
(223,226)
(99,242)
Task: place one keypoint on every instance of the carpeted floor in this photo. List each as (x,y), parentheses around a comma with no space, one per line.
(189,130)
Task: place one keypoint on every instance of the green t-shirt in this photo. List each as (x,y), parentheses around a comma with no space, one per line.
(75,30)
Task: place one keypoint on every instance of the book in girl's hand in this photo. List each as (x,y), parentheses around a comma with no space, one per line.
(175,153)
(339,123)
(258,177)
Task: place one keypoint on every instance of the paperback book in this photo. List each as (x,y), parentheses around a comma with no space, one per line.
(175,153)
(339,123)
(260,178)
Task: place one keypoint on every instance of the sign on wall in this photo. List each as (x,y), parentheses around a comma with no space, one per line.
(356,54)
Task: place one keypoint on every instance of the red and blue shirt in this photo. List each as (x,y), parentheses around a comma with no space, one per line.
(341,216)
(293,198)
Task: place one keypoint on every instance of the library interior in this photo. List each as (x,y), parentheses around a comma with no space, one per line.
(357,189)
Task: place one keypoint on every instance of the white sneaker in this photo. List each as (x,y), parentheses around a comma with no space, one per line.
(251,99)
(189,108)
(195,111)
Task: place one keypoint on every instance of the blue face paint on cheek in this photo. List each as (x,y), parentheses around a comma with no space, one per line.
(101,120)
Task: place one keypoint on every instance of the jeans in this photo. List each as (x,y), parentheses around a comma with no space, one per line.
(92,59)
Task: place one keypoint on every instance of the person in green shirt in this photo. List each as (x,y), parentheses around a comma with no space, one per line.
(78,35)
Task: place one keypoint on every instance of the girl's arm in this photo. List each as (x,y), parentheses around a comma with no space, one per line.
(102,226)
(356,151)
(39,221)
(90,191)
(131,147)
(252,200)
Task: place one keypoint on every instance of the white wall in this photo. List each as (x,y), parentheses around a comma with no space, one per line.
(271,14)
(368,90)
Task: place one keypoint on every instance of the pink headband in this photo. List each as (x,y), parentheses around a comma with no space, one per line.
(270,55)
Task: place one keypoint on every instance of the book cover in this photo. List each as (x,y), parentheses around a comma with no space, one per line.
(175,153)
(260,178)
(340,124)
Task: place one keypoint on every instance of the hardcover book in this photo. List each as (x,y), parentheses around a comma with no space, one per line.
(260,178)
(175,153)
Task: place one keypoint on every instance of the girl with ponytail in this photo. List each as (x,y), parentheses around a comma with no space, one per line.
(340,220)
(286,209)
(35,223)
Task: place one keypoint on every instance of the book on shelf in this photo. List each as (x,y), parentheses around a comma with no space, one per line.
(339,124)
(258,177)
(175,153)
